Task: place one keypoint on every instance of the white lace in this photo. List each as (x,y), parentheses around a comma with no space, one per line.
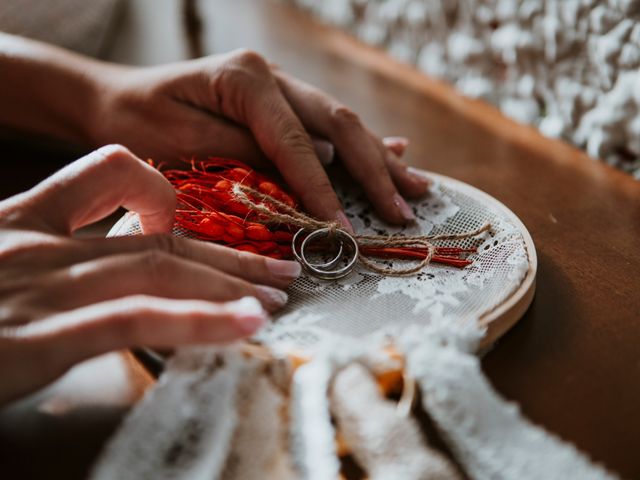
(184,426)
(364,302)
(488,435)
(217,414)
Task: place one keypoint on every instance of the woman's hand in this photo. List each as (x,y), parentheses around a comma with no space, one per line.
(237,105)
(64,299)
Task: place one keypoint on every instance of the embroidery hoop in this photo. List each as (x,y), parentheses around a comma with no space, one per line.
(504,316)
(497,320)
(193,387)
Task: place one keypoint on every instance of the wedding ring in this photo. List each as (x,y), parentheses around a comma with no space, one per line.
(322,266)
(352,254)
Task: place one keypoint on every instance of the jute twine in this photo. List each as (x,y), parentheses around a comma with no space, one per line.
(290,216)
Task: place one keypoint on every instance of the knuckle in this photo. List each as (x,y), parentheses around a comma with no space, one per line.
(251,263)
(114,153)
(245,69)
(115,157)
(242,261)
(321,197)
(167,243)
(296,140)
(319,186)
(344,117)
(157,265)
(315,182)
(251,59)
(25,263)
(16,244)
(128,325)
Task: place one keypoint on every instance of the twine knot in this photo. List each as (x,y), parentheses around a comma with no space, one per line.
(280,212)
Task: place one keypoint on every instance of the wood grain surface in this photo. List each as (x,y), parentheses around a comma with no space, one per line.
(573,361)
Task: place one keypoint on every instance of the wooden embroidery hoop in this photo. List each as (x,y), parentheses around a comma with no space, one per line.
(499,320)
(504,316)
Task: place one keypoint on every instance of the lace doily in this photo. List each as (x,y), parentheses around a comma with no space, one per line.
(365,302)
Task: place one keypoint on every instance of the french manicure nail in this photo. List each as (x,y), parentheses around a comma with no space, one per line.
(248,313)
(396,144)
(404,208)
(344,221)
(416,172)
(396,140)
(271,298)
(283,269)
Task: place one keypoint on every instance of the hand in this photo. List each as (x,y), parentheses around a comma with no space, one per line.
(66,299)
(236,105)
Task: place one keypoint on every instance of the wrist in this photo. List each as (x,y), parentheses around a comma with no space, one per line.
(48,91)
(102,84)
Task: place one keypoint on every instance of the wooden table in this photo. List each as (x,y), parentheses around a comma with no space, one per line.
(573,361)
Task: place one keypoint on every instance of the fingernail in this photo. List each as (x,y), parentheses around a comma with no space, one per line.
(344,221)
(421,174)
(419,177)
(396,144)
(404,208)
(248,313)
(283,269)
(271,298)
(324,150)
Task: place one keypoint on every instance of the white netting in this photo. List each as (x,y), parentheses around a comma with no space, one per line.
(366,302)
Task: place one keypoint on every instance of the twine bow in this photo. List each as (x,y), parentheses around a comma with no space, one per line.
(290,216)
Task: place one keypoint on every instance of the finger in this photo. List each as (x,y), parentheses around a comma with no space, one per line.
(96,185)
(54,344)
(410,182)
(249,95)
(148,273)
(397,145)
(248,266)
(362,154)
(205,134)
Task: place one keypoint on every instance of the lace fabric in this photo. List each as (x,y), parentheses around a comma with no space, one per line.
(365,302)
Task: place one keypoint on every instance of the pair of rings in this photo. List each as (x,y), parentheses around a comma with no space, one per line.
(345,252)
